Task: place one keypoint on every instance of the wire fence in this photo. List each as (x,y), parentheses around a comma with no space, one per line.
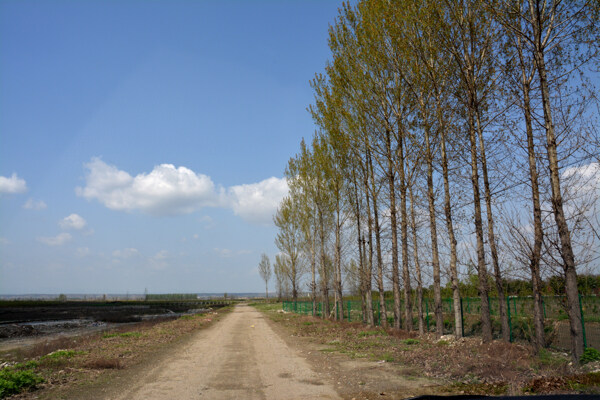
(519,310)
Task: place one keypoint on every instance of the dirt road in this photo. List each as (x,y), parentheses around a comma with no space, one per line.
(241,357)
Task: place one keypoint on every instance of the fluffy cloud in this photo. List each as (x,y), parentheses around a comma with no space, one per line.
(57,240)
(82,252)
(258,202)
(584,179)
(32,204)
(225,253)
(126,253)
(12,185)
(168,190)
(164,191)
(73,221)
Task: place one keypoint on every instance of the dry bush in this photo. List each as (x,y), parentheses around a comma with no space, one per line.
(402,334)
(43,348)
(104,363)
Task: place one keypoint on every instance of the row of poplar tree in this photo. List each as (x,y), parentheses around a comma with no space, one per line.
(456,134)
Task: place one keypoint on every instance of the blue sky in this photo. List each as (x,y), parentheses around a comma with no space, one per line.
(142,144)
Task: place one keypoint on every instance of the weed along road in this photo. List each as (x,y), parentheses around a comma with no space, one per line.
(240,357)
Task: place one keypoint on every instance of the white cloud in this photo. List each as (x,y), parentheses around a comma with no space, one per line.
(159,261)
(164,191)
(161,255)
(126,253)
(258,202)
(83,251)
(167,190)
(225,253)
(73,221)
(207,222)
(57,240)
(12,185)
(4,240)
(584,179)
(32,204)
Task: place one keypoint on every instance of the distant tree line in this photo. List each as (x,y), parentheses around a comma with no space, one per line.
(171,296)
(454,138)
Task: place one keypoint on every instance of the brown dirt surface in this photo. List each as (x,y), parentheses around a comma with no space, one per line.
(464,366)
(277,355)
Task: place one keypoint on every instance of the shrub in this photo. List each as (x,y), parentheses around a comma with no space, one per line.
(13,380)
(370,333)
(61,354)
(411,341)
(589,354)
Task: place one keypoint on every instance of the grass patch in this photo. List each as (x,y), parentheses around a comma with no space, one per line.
(328,350)
(387,357)
(589,354)
(550,359)
(267,306)
(372,333)
(410,341)
(17,378)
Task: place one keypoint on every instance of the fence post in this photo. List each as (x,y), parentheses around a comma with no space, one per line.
(509,318)
(379,313)
(427,313)
(544,306)
(462,319)
(582,323)
(349,309)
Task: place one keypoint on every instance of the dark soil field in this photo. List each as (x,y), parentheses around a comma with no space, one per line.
(26,323)
(115,311)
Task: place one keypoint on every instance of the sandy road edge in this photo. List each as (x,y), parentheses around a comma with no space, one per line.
(110,383)
(356,378)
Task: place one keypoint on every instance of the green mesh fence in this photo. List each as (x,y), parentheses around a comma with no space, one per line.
(519,310)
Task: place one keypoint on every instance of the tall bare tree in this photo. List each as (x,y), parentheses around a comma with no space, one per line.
(264,269)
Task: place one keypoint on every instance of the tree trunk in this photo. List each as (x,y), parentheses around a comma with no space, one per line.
(491,235)
(394,229)
(313,268)
(437,290)
(417,265)
(449,226)
(377,228)
(365,268)
(486,323)
(535,256)
(566,249)
(338,265)
(408,320)
(324,274)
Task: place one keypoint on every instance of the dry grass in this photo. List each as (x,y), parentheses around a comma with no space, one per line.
(86,358)
(473,366)
(104,363)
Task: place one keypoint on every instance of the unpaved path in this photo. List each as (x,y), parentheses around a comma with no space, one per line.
(241,357)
